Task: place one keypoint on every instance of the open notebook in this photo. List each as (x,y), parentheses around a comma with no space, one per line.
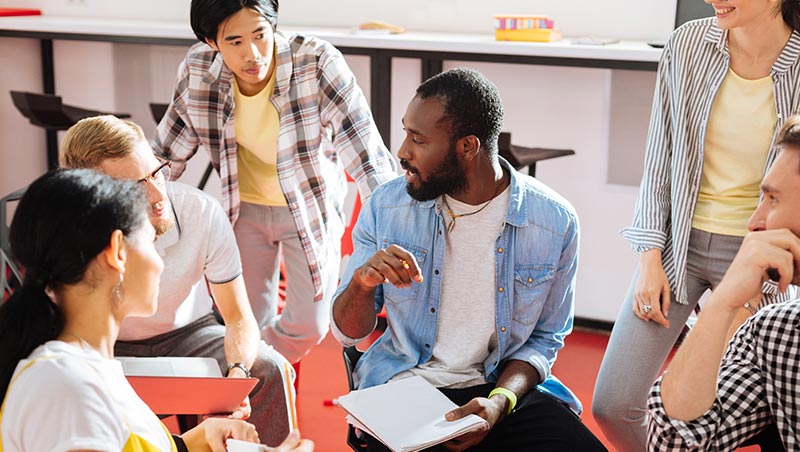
(406,415)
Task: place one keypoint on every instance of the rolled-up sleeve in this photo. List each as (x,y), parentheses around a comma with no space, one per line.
(652,215)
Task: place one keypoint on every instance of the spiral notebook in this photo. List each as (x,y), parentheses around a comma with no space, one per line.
(406,415)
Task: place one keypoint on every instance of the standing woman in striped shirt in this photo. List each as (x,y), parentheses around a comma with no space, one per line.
(724,86)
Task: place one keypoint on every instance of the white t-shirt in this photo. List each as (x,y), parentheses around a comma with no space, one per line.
(65,398)
(466,331)
(201,245)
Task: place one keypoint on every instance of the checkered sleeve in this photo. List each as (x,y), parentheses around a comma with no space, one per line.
(739,412)
(356,139)
(175,139)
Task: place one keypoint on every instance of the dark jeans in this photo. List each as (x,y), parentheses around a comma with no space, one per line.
(539,422)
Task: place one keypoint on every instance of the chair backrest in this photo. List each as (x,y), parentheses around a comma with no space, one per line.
(351,356)
(504,149)
(43,110)
(158,110)
(10,276)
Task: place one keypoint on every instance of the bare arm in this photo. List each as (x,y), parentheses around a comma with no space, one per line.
(519,377)
(241,330)
(689,387)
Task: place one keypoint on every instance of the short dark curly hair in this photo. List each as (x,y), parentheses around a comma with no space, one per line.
(472,104)
(206,15)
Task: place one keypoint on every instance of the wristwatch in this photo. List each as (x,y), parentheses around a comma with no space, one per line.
(241,366)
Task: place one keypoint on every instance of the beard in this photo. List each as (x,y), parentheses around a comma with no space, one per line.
(446,178)
(164,224)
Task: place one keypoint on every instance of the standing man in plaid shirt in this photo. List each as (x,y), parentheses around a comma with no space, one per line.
(282,119)
(713,399)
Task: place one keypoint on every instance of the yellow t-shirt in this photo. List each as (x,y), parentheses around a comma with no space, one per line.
(738,136)
(257,126)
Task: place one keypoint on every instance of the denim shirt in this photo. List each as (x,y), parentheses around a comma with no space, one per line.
(535,265)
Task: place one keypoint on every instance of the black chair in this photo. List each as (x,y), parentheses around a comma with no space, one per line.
(519,157)
(49,112)
(158,110)
(10,275)
(351,356)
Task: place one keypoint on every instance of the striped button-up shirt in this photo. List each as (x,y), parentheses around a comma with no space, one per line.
(326,128)
(694,64)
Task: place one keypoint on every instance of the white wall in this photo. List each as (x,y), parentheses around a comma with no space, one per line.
(627,19)
(545,106)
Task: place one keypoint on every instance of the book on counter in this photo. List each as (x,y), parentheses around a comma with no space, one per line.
(521,27)
(406,415)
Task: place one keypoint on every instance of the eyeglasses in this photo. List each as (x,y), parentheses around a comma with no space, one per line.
(160,175)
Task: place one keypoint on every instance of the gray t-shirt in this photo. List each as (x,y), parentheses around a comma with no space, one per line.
(200,246)
(466,331)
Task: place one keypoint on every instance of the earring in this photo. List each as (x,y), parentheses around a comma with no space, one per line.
(118,291)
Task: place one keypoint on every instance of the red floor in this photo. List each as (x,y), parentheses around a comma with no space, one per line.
(322,378)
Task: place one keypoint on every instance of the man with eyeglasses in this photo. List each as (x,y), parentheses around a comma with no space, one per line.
(196,242)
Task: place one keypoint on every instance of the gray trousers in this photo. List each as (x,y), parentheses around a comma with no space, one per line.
(264,234)
(637,349)
(204,338)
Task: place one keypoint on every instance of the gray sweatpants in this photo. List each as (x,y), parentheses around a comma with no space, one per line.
(264,234)
(637,349)
(205,338)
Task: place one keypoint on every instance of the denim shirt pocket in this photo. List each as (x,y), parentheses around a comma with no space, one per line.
(530,291)
(402,294)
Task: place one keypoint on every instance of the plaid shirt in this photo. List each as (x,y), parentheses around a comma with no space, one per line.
(759,380)
(325,127)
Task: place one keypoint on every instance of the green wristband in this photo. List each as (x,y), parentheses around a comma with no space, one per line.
(507,393)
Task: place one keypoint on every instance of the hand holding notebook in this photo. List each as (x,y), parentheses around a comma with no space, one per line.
(407,415)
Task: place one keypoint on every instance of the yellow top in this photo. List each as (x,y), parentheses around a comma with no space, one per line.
(738,136)
(257,127)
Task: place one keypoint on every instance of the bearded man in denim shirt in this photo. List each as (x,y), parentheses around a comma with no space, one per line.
(475,264)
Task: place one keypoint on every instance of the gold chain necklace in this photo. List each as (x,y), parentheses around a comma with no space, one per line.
(454,215)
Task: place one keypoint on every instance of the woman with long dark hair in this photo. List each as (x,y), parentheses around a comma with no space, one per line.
(86,244)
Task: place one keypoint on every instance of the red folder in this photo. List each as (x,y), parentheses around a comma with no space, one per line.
(20,12)
(192,395)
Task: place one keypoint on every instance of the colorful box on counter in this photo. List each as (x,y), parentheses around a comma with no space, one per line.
(525,28)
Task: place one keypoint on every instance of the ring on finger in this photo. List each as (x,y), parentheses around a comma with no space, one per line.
(646,308)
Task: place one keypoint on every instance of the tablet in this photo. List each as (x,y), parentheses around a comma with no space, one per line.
(192,395)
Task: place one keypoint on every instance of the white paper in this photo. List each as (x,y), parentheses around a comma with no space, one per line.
(169,366)
(407,415)
(235,445)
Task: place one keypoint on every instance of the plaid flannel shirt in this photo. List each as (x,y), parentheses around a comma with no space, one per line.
(758,385)
(326,128)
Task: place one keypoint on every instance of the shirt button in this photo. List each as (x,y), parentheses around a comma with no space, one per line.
(436,272)
(499,289)
(530,280)
(427,345)
(500,250)
(503,329)
(433,310)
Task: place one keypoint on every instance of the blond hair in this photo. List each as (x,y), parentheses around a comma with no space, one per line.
(92,140)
